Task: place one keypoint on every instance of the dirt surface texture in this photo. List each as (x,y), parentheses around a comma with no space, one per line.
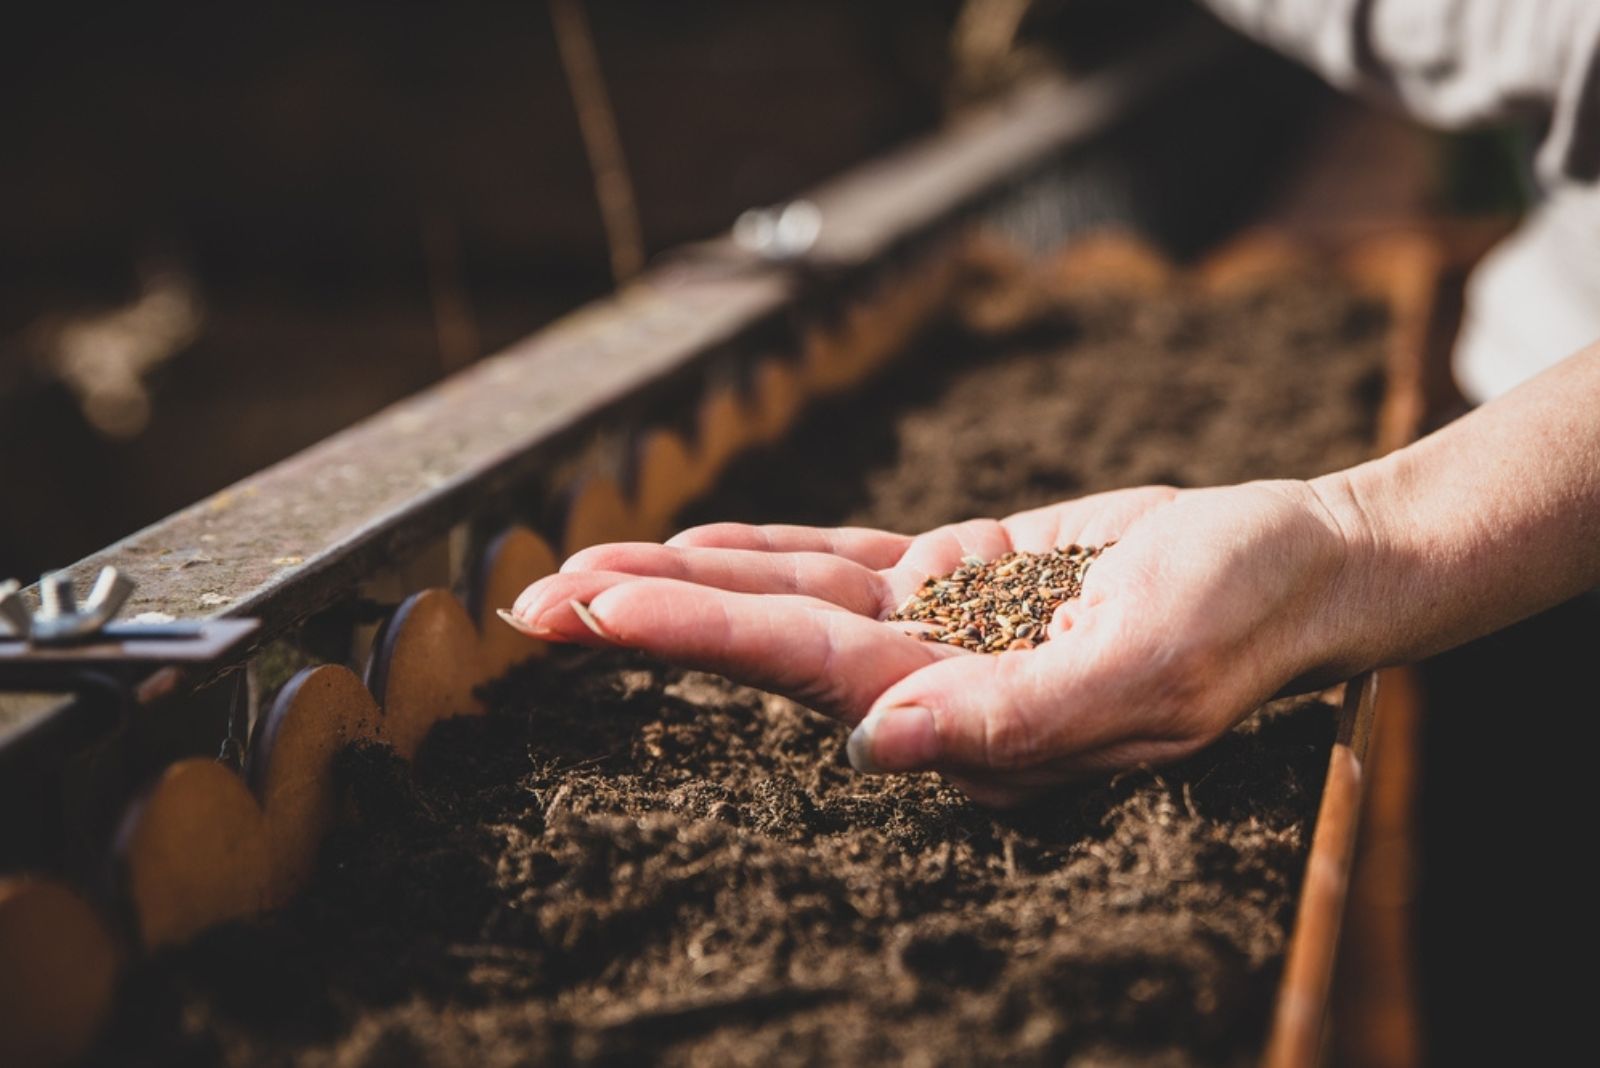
(629,863)
(1098,392)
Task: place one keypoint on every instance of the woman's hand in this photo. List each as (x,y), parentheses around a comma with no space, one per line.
(1210,602)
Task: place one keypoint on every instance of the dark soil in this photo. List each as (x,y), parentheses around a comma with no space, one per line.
(630,863)
(1104,391)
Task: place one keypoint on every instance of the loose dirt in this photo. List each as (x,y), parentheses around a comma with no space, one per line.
(1096,392)
(625,862)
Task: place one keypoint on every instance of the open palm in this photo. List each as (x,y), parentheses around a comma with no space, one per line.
(1206,605)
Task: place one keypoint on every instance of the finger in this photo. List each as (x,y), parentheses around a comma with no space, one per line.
(876,549)
(1089,521)
(834,661)
(941,551)
(546,610)
(1014,713)
(830,578)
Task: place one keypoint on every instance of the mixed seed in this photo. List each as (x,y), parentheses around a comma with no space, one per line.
(990,607)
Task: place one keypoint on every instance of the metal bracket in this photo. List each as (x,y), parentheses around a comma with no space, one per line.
(53,648)
(780,234)
(59,620)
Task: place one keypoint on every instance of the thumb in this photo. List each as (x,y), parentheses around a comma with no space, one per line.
(975,713)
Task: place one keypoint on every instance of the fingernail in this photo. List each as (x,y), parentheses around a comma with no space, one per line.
(859,748)
(519,624)
(587,618)
(893,739)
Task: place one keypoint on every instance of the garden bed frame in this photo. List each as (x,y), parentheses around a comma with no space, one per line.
(587,419)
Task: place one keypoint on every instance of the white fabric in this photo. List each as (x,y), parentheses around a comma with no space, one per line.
(1534,299)
(1459,62)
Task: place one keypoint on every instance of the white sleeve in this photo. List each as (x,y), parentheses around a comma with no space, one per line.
(1455,62)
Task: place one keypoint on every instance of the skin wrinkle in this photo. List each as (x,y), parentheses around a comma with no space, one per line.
(698,537)
(1486,521)
(988,735)
(825,669)
(1043,693)
(1274,646)
(594,558)
(839,693)
(1177,675)
(847,702)
(892,548)
(870,548)
(1000,722)
(889,596)
(857,588)
(795,585)
(1377,585)
(843,583)
(1008,739)
(1324,617)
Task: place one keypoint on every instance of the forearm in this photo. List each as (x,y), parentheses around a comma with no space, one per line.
(1483,523)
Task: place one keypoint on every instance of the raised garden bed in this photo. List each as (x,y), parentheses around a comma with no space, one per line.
(624,862)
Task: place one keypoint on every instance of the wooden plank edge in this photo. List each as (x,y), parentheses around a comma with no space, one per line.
(1296,1036)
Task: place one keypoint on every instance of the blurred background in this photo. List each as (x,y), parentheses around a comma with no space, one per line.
(228,232)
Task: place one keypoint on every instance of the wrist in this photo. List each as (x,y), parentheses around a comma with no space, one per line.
(1351,634)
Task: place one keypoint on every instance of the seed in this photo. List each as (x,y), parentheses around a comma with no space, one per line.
(1000,605)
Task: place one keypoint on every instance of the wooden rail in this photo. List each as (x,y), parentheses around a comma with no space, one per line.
(1297,1026)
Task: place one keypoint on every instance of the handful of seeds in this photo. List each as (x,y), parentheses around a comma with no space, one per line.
(999,605)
